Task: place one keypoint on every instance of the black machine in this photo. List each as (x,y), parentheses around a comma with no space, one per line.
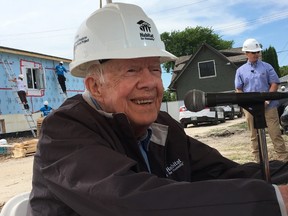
(253,102)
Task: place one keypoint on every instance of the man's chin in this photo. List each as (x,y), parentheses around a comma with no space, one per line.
(142,123)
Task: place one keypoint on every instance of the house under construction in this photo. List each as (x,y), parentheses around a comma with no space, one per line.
(40,77)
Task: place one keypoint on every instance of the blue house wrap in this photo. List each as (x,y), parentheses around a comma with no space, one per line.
(39,75)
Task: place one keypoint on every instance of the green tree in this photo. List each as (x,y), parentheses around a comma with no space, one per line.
(186,42)
(270,56)
(283,70)
(168,96)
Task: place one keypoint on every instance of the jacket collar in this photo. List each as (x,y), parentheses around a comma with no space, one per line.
(159,131)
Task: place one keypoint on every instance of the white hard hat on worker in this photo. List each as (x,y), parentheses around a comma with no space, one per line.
(251,45)
(116,31)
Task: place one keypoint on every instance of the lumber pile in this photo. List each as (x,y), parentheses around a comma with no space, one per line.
(24,149)
(39,124)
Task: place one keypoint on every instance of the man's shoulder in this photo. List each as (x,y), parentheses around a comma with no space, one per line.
(263,63)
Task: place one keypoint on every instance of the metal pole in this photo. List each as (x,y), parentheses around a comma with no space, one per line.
(263,153)
(257,110)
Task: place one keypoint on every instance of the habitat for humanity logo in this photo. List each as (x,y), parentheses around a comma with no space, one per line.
(173,167)
(145,27)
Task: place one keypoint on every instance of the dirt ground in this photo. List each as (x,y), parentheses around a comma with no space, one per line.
(230,138)
(16,174)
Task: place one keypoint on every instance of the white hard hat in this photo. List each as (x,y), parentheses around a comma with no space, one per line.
(283,88)
(3,142)
(46,102)
(251,45)
(116,31)
(21,76)
(61,62)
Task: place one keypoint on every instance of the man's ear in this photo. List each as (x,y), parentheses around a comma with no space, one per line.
(93,86)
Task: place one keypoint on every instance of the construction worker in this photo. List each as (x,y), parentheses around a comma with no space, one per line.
(21,90)
(60,69)
(258,76)
(46,109)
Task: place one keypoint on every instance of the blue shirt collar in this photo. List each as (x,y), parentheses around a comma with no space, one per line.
(253,64)
(145,139)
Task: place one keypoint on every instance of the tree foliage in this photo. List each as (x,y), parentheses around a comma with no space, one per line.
(283,70)
(270,56)
(186,42)
(169,96)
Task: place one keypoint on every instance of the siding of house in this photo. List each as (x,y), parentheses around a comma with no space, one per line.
(11,114)
(190,78)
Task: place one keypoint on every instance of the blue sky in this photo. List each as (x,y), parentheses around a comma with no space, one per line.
(49,27)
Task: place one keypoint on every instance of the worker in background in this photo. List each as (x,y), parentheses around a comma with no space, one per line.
(46,109)
(60,70)
(258,76)
(22,90)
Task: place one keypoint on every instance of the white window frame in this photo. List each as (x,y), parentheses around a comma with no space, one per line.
(35,78)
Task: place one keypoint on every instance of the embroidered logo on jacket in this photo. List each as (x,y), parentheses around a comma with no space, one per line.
(174,166)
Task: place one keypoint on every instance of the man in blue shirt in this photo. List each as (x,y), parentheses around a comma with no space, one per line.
(259,76)
(60,69)
(46,109)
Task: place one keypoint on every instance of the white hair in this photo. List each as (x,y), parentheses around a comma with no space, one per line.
(96,69)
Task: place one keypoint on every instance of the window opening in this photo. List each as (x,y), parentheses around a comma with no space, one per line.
(207,69)
(35,78)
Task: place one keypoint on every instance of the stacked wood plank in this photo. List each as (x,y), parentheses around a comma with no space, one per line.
(39,124)
(25,148)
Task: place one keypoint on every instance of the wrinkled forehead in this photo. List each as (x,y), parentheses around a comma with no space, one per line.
(121,65)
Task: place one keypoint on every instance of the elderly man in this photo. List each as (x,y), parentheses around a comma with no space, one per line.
(111,151)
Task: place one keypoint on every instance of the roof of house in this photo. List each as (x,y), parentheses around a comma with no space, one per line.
(32,54)
(238,58)
(233,51)
(180,63)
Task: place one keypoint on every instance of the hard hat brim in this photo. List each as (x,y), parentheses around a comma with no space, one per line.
(79,68)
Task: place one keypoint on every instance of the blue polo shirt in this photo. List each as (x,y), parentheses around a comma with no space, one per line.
(256,77)
(46,110)
(60,69)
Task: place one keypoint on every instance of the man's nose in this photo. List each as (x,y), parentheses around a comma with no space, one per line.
(147,79)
